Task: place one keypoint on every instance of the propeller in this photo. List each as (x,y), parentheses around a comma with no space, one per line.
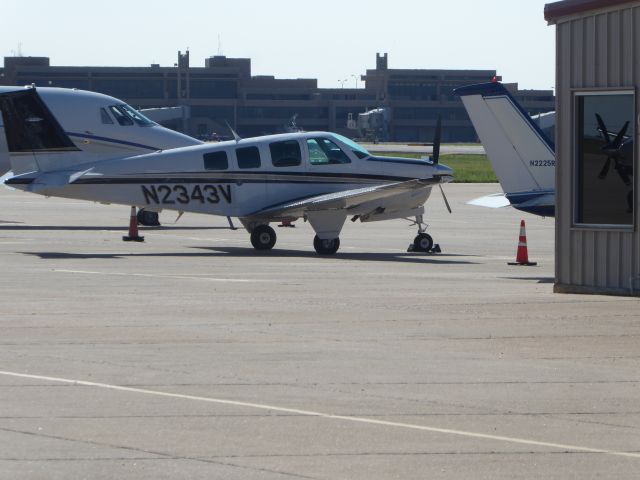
(613,150)
(236,137)
(436,155)
(444,197)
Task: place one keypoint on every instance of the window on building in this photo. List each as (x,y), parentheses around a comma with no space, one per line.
(605,159)
(285,154)
(323,151)
(216,161)
(248,157)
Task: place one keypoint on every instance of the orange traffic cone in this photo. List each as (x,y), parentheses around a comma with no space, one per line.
(133,228)
(522,256)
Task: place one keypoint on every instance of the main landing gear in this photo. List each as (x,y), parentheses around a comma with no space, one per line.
(326,247)
(263,237)
(423,241)
(148,218)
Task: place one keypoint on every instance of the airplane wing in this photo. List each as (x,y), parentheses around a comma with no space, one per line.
(344,200)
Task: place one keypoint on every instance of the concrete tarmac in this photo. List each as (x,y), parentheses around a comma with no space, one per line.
(193,356)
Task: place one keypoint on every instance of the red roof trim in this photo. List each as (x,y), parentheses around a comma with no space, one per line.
(553,11)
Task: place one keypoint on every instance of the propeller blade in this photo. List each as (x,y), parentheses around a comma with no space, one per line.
(603,129)
(605,170)
(236,137)
(618,140)
(444,197)
(436,142)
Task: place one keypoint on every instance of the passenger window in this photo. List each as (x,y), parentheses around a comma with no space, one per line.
(323,151)
(106,119)
(215,161)
(248,157)
(121,117)
(285,154)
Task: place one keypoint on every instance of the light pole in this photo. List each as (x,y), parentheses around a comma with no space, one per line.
(342,82)
(356,78)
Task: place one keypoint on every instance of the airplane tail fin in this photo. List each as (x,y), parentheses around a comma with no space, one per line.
(5,163)
(31,132)
(521,155)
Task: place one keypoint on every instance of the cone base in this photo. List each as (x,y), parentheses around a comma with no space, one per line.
(526,264)
(132,239)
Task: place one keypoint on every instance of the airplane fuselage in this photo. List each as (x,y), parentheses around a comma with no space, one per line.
(209,178)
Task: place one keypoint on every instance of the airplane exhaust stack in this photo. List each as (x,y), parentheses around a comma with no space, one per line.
(522,256)
(133,228)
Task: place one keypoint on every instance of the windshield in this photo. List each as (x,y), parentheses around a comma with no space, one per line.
(358,150)
(126,115)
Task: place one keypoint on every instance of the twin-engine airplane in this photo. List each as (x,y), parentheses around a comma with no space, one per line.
(111,153)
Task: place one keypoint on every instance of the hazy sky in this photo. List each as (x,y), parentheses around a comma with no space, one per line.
(330,40)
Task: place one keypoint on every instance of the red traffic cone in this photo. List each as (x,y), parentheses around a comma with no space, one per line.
(133,228)
(522,256)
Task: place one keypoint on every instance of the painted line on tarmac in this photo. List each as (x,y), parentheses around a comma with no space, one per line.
(309,413)
(151,275)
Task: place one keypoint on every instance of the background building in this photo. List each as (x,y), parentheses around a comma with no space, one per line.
(597,77)
(223,90)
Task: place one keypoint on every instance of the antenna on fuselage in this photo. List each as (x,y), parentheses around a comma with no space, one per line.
(236,137)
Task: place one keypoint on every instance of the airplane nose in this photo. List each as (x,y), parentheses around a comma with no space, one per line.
(443,170)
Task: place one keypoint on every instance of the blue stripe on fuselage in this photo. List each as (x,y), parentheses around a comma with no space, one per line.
(111,140)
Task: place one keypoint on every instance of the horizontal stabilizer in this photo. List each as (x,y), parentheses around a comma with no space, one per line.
(38,182)
(6,177)
(496,200)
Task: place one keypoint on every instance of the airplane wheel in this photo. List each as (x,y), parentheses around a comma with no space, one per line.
(423,242)
(326,247)
(263,237)
(147,218)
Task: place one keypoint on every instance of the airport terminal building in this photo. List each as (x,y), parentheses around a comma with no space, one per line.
(224,90)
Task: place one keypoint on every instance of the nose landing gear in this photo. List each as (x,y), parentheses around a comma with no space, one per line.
(423,241)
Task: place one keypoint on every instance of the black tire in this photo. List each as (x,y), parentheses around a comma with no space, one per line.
(326,247)
(263,237)
(423,243)
(147,218)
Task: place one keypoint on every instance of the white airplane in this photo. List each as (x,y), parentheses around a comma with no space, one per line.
(319,176)
(521,153)
(97,127)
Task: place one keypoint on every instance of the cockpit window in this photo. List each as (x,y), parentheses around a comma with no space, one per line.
(121,115)
(358,150)
(126,115)
(323,151)
(137,117)
(106,119)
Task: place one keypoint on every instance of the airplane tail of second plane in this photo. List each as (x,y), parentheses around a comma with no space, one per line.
(31,135)
(520,153)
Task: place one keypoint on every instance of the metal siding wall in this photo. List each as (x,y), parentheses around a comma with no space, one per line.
(566,241)
(597,51)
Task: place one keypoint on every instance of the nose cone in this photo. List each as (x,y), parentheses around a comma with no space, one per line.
(445,172)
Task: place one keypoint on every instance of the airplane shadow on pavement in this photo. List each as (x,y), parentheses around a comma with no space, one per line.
(212,252)
(17,226)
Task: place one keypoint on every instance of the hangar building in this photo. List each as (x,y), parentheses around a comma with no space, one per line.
(597,210)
